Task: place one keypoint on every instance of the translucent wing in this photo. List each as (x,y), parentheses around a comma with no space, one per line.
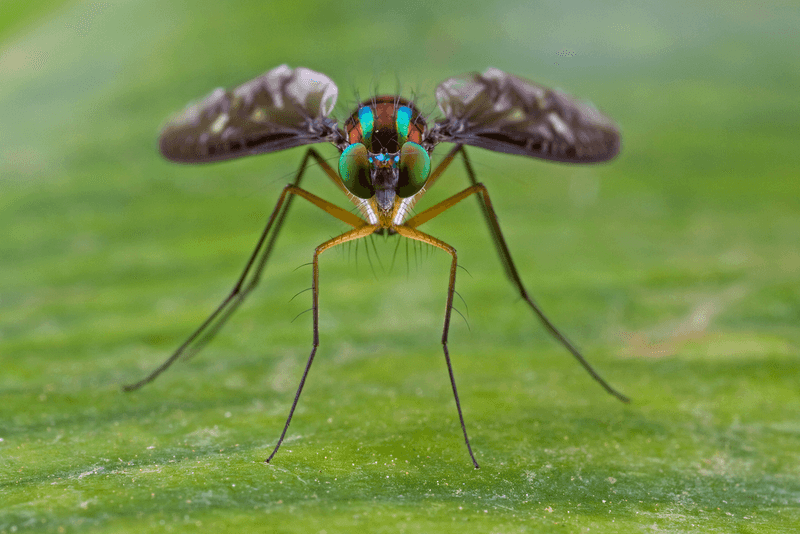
(504,113)
(281,109)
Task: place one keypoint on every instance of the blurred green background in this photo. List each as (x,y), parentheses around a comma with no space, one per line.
(674,268)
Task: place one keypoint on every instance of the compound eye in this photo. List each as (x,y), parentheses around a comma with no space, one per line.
(415,166)
(354,170)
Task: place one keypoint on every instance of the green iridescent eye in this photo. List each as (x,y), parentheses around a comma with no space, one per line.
(354,170)
(415,166)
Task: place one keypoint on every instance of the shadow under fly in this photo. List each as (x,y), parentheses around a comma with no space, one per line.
(384,168)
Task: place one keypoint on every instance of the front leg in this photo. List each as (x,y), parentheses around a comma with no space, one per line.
(357,233)
(412,233)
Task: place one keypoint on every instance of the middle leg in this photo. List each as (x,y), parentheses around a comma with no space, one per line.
(485,202)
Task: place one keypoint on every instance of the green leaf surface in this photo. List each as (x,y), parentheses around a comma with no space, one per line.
(674,268)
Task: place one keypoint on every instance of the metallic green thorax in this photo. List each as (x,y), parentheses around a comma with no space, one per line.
(403,122)
(385,158)
(367,120)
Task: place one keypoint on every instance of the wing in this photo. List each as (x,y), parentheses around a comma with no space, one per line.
(504,113)
(281,109)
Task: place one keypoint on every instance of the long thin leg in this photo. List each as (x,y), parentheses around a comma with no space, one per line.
(505,256)
(513,275)
(212,330)
(216,320)
(351,235)
(412,233)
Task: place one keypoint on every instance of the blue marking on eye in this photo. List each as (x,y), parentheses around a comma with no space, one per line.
(367,120)
(403,122)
